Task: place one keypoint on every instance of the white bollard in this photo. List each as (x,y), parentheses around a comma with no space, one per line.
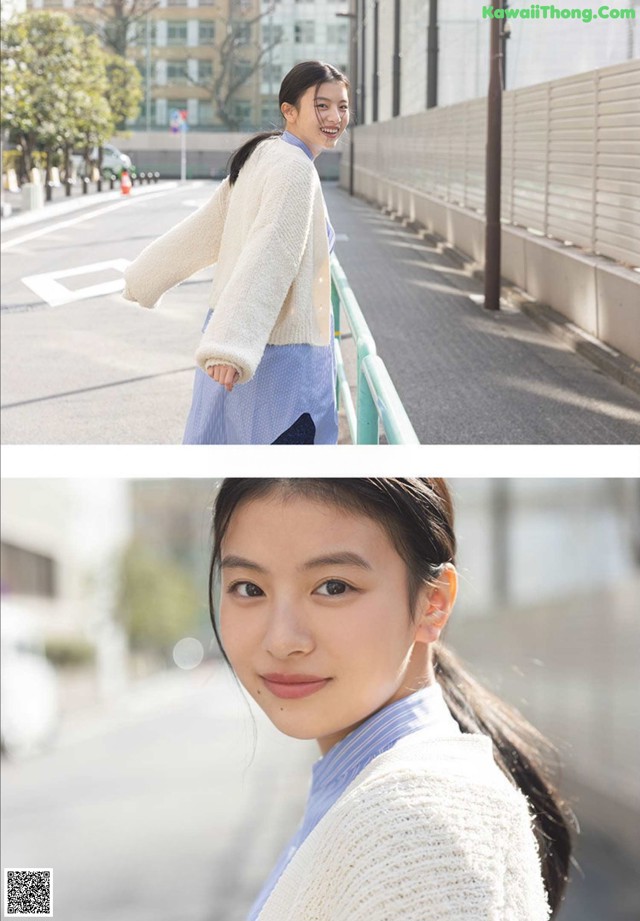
(32,196)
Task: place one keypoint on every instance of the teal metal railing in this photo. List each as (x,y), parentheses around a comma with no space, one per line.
(377,400)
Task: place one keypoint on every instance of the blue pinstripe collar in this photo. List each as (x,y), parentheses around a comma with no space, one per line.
(379,733)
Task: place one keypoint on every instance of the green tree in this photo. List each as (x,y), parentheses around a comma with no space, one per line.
(54,87)
(158,603)
(125,89)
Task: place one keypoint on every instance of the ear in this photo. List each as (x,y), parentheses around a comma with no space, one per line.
(288,112)
(435,604)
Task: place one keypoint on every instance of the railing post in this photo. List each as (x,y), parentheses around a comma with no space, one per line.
(367,412)
(335,302)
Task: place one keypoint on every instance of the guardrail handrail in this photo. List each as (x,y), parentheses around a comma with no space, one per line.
(377,399)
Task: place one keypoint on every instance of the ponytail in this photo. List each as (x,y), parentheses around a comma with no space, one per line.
(242,154)
(517,750)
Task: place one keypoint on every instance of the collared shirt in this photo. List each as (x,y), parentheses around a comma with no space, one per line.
(423,710)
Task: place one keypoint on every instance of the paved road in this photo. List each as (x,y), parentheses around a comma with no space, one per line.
(154,812)
(96,369)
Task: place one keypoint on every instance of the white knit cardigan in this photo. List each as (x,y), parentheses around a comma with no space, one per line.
(431,830)
(268,235)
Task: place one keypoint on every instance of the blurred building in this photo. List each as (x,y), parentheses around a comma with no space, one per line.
(60,540)
(173,519)
(548,617)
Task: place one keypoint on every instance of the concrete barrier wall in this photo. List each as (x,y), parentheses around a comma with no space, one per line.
(599,296)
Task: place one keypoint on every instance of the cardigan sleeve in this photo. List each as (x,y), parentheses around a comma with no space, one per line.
(252,297)
(187,248)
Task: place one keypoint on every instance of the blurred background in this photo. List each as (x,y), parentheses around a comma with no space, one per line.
(132,764)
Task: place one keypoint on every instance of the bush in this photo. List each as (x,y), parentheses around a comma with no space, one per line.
(69,652)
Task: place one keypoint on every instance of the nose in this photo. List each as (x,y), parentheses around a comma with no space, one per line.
(286,633)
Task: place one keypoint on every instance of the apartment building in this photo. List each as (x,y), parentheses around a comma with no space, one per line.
(222,61)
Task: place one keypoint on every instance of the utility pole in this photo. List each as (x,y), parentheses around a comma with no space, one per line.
(376,36)
(352,16)
(432,55)
(493,168)
(395,110)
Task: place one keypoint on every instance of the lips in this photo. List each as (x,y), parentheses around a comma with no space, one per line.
(291,687)
(330,133)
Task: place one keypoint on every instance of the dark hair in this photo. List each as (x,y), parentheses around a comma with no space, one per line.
(417,514)
(293,87)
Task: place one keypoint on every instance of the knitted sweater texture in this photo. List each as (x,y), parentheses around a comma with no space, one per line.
(431,830)
(267,235)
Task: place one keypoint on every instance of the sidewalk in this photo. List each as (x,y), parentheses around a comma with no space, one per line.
(466,375)
(61,203)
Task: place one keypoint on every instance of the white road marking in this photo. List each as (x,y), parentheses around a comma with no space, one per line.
(48,287)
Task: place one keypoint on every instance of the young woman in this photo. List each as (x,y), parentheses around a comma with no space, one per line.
(430,801)
(266,363)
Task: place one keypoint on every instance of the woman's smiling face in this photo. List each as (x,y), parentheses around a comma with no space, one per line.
(321,117)
(311,590)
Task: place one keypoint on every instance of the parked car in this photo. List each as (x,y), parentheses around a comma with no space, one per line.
(113,161)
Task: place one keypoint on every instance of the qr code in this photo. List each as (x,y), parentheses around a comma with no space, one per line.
(28,893)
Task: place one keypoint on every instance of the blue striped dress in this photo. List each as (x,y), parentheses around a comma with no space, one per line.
(424,710)
(289,400)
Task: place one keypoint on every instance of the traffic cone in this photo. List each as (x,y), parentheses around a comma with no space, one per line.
(125,182)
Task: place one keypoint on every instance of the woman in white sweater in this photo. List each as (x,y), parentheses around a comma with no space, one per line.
(266,363)
(430,801)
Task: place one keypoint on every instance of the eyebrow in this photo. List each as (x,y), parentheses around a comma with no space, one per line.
(326,99)
(340,558)
(239,562)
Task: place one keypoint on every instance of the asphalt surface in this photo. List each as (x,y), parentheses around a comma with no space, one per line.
(94,369)
(157,808)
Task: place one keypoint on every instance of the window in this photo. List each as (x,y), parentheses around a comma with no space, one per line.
(176,71)
(272,35)
(178,3)
(304,32)
(337,33)
(272,73)
(241,32)
(207,3)
(241,70)
(242,111)
(206,33)
(205,71)
(176,32)
(205,112)
(137,34)
(239,7)
(27,573)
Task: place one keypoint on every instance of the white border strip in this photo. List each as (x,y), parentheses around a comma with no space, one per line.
(160,461)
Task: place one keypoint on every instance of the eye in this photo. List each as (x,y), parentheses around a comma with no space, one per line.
(333,587)
(246,589)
